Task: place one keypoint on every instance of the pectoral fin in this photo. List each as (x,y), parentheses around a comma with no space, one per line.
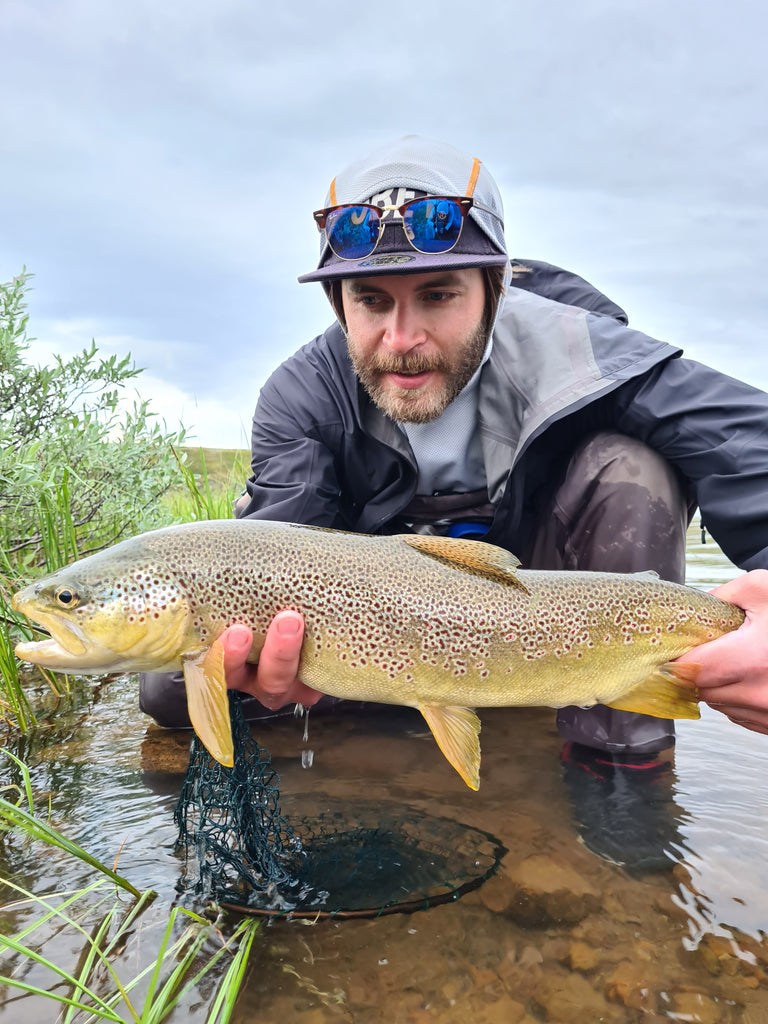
(456,731)
(208,703)
(669,692)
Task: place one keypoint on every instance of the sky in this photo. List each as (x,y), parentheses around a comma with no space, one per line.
(159,164)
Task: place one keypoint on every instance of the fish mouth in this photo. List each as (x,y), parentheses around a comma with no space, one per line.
(48,653)
(65,644)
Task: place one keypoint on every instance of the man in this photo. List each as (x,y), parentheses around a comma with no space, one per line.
(458,392)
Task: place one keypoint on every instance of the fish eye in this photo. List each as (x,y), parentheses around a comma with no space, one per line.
(67,597)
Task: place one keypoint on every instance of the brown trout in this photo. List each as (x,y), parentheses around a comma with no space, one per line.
(433,623)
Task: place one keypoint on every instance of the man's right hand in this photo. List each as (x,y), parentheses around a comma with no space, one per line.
(274,681)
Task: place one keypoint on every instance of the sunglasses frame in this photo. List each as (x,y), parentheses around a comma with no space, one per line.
(464,203)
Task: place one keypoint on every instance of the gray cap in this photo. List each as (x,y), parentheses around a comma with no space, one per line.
(407,169)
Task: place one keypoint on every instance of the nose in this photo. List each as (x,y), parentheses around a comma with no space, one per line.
(403,330)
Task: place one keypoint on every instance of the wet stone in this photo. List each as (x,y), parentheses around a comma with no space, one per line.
(696,1006)
(645,951)
(571,999)
(750,982)
(751,945)
(497,893)
(521,979)
(546,893)
(502,1011)
(628,984)
(582,957)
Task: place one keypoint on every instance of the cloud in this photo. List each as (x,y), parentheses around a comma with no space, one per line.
(162,162)
(220,422)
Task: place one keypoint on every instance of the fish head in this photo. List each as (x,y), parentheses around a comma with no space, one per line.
(105,616)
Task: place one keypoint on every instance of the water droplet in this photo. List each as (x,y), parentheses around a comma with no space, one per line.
(307,757)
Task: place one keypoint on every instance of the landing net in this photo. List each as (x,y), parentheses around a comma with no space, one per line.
(345,859)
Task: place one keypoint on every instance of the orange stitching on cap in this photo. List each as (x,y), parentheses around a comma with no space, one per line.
(333,193)
(473,177)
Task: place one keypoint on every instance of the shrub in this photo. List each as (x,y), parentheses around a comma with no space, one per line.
(78,468)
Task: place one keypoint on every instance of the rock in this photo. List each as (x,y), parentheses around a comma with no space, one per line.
(628,984)
(502,1011)
(751,982)
(696,1006)
(710,959)
(497,893)
(530,956)
(571,999)
(582,957)
(645,951)
(545,893)
(522,979)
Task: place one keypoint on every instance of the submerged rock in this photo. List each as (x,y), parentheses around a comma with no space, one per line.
(543,893)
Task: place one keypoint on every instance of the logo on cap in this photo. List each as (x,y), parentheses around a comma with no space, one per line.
(387,260)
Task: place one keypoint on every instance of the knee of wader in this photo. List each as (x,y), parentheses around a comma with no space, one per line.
(610,458)
(619,732)
(162,695)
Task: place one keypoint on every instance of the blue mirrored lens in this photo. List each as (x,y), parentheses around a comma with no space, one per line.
(353,232)
(433,225)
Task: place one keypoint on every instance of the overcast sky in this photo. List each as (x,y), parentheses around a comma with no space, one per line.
(159,163)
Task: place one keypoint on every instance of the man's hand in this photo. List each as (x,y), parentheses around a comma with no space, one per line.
(734,668)
(274,681)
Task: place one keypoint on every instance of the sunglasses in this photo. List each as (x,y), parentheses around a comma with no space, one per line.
(431,225)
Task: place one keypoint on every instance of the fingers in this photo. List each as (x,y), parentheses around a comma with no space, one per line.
(237,641)
(279,660)
(734,668)
(274,682)
(750,718)
(749,591)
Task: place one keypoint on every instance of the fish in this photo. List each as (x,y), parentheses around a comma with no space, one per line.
(444,625)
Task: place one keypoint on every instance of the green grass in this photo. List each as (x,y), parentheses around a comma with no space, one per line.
(113,934)
(210,480)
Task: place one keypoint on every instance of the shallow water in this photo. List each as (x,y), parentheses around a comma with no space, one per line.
(558,935)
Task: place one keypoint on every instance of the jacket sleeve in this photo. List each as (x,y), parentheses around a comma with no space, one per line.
(294,477)
(714,430)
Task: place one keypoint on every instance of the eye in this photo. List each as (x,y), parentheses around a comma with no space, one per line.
(67,597)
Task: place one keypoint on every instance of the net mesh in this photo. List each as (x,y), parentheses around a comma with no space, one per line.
(343,860)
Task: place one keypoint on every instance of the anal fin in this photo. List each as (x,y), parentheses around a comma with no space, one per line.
(208,702)
(456,731)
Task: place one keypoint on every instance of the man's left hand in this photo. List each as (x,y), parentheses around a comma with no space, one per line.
(734,668)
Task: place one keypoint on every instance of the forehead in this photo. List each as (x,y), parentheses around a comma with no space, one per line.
(402,283)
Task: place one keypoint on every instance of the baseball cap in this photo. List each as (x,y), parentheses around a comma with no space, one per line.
(411,168)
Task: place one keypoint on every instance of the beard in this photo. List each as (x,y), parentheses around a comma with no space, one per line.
(423,404)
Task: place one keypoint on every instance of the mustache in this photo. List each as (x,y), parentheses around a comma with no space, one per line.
(411,363)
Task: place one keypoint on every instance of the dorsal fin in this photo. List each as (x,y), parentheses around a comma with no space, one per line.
(472,556)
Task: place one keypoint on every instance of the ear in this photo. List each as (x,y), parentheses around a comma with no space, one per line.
(333,291)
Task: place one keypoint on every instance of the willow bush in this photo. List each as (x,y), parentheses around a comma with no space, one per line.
(79,467)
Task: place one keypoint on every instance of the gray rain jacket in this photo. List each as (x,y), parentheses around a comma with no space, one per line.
(563,365)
